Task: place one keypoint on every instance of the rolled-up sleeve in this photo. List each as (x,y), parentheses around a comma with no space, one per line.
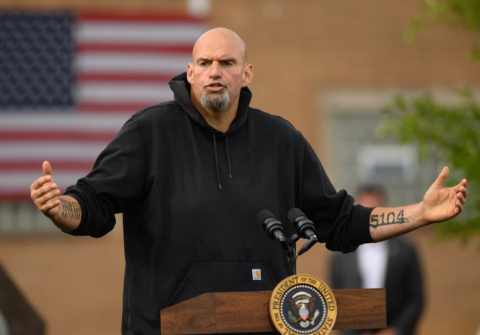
(116,181)
(341,224)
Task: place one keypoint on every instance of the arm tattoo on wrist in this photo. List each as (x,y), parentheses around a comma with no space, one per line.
(386,218)
(71,210)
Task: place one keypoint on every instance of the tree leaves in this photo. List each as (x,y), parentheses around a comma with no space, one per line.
(450,130)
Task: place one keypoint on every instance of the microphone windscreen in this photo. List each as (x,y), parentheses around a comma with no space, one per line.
(295,213)
(263,215)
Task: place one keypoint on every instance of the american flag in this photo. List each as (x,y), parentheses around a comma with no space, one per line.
(69,80)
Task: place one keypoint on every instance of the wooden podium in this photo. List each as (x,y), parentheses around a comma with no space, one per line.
(248,312)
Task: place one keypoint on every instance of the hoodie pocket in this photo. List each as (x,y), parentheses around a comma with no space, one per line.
(225,276)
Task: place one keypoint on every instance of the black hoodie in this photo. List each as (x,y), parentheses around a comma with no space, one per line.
(190,195)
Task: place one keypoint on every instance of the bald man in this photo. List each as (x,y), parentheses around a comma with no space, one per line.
(191,174)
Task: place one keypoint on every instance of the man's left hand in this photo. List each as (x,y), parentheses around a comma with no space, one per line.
(442,203)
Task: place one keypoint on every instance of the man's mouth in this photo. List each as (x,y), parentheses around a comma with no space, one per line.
(215,87)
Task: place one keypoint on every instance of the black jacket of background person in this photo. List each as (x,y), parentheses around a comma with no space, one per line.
(190,196)
(403,283)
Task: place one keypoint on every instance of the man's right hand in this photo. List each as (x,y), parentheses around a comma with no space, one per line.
(63,210)
(45,193)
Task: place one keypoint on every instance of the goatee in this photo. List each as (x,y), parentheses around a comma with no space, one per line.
(215,103)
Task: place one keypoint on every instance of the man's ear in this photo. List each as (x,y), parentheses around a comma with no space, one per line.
(189,73)
(247,74)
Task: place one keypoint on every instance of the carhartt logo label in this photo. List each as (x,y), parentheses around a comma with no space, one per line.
(257,274)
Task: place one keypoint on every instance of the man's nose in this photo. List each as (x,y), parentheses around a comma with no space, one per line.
(215,70)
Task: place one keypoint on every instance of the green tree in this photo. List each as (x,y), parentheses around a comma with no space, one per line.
(452,130)
(464,14)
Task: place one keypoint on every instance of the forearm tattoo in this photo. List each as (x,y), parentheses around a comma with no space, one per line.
(71,210)
(386,218)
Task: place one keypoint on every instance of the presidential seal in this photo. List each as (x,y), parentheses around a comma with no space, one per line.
(302,304)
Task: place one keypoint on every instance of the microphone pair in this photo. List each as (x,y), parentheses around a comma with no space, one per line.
(274,228)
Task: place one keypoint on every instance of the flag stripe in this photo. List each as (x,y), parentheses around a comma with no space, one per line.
(56,135)
(93,16)
(62,121)
(128,62)
(124,92)
(32,165)
(138,32)
(11,181)
(113,107)
(46,150)
(15,195)
(86,47)
(157,78)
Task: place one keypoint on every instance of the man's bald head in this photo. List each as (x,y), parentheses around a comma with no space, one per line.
(219,38)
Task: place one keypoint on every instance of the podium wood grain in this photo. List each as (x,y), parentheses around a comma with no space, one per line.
(248,312)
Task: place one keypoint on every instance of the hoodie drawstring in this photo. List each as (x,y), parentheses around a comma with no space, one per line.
(217,168)
(229,162)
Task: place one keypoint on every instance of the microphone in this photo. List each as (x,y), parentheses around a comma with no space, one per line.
(304,225)
(305,228)
(271,225)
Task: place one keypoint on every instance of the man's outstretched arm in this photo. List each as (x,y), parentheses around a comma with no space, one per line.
(64,211)
(439,203)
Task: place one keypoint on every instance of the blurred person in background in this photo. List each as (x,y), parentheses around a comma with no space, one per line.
(190,176)
(392,264)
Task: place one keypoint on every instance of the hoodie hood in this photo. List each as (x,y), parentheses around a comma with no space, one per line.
(181,90)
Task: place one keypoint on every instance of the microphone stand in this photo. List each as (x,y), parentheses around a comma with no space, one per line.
(289,246)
